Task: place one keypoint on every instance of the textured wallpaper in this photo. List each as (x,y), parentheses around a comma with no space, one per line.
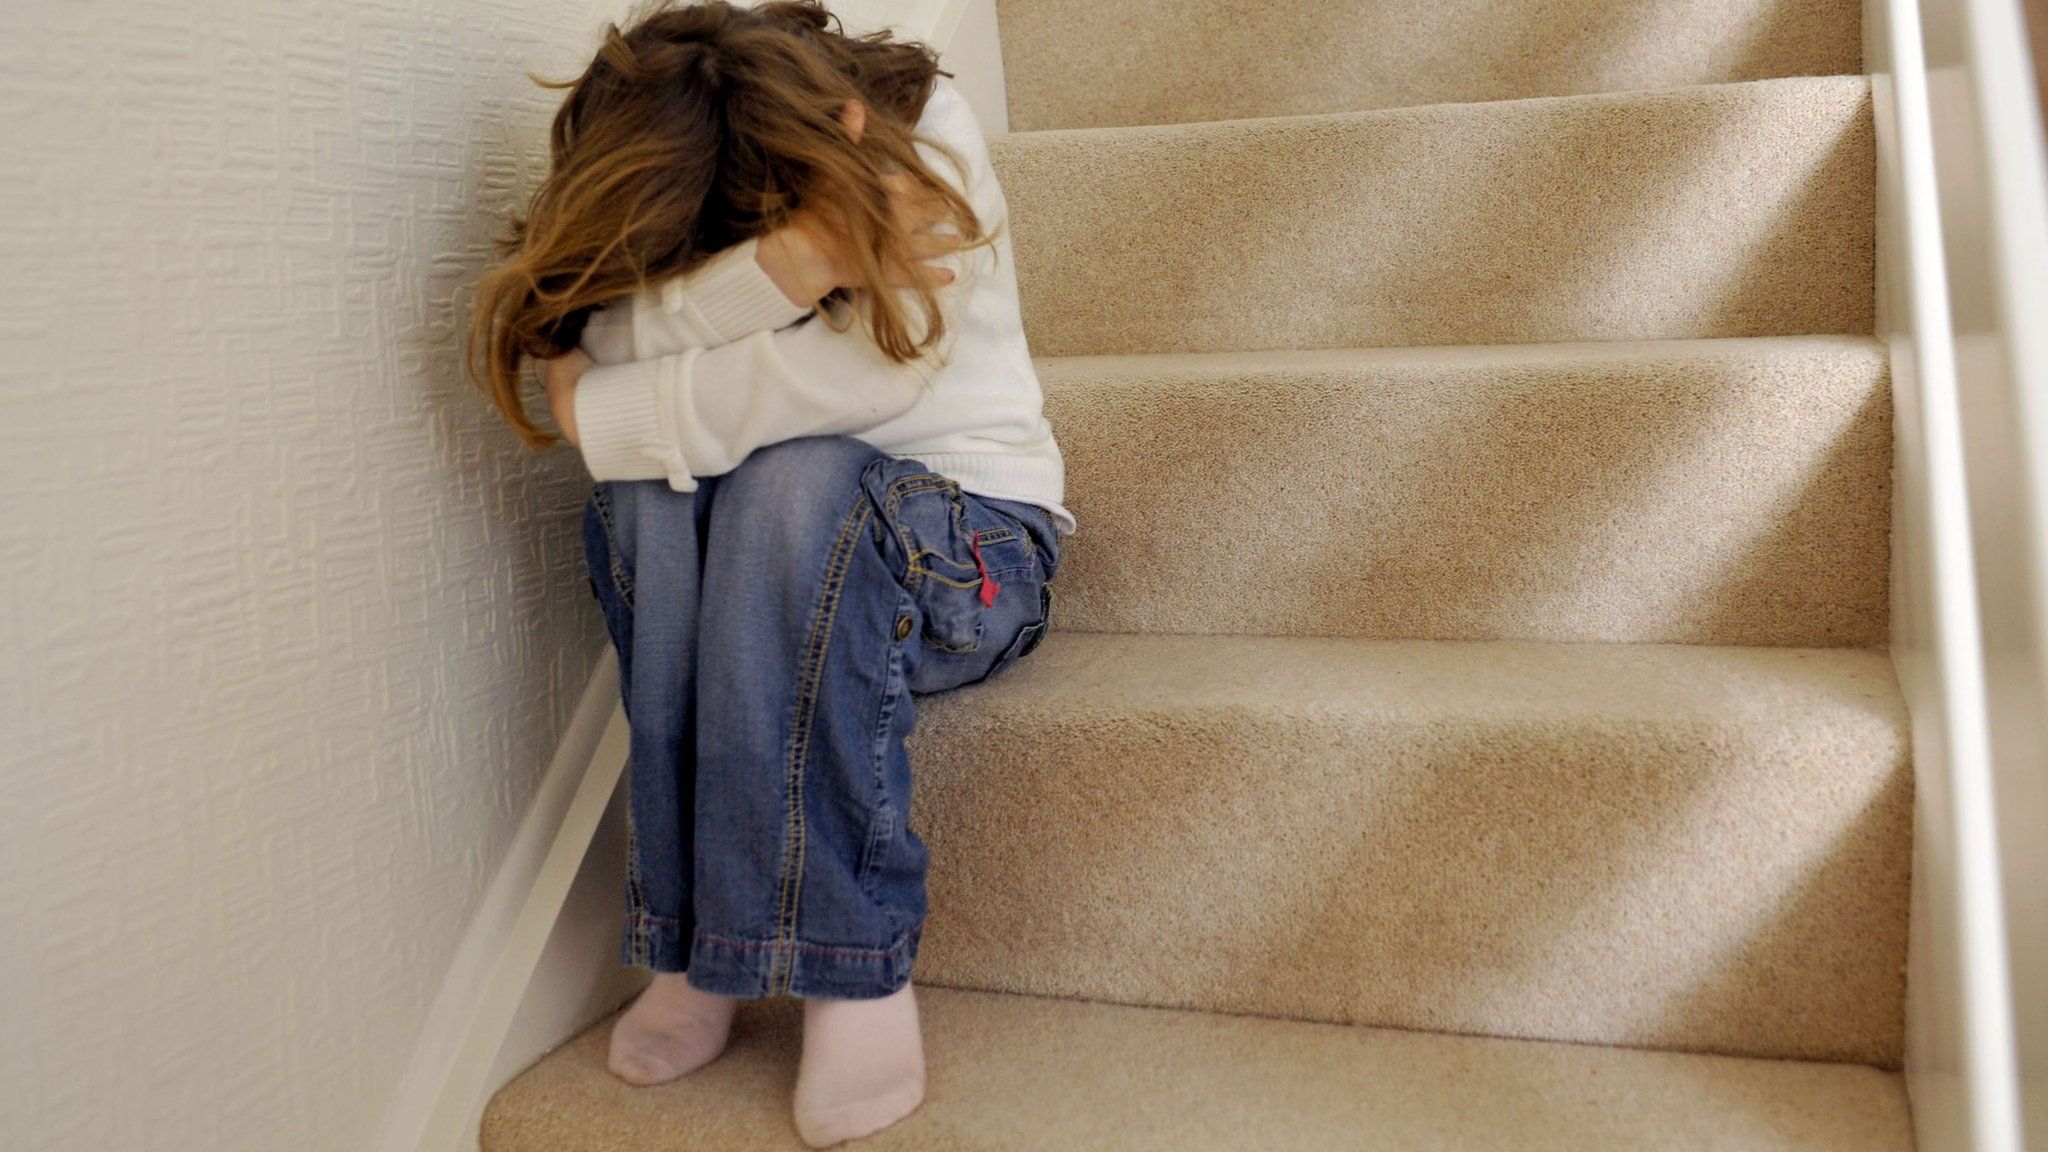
(290,622)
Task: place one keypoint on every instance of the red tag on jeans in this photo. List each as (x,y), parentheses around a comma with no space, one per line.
(989,587)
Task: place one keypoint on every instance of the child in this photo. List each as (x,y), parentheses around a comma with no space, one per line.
(770,278)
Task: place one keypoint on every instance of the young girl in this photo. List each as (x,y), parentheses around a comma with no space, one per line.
(770,278)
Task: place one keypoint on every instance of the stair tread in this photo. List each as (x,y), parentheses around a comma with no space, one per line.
(1282,360)
(1372,678)
(1077,63)
(1693,491)
(1667,846)
(1721,92)
(1017,1074)
(1723,210)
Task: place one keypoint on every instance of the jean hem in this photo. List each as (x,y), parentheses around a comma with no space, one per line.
(746,967)
(655,942)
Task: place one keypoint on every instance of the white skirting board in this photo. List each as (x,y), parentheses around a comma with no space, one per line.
(578,978)
(539,961)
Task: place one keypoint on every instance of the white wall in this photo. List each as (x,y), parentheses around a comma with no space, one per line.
(290,624)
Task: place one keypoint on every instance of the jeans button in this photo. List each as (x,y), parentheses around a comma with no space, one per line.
(903,628)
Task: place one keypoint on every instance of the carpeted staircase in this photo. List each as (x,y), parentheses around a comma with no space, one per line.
(1467,724)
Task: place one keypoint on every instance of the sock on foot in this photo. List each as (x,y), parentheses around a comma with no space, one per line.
(672,1029)
(862,1068)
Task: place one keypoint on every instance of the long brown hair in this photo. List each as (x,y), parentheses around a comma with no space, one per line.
(698,127)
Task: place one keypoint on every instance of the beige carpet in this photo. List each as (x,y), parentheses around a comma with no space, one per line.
(1379,410)
(1097,63)
(1709,491)
(1015,1074)
(1678,847)
(1739,210)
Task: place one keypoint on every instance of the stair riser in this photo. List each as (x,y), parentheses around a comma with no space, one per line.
(1722,494)
(1097,63)
(1717,878)
(1733,211)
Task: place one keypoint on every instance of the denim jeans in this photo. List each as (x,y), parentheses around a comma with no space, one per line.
(773,628)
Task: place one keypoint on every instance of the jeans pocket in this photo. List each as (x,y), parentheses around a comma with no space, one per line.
(1032,635)
(1027,639)
(956,553)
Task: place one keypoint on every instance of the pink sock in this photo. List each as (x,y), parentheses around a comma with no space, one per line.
(670,1030)
(862,1068)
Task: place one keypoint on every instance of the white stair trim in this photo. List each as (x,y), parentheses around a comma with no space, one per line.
(1960,1066)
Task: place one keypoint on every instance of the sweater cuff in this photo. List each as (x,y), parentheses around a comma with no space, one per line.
(729,296)
(618,423)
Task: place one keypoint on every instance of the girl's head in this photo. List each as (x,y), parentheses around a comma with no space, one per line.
(694,129)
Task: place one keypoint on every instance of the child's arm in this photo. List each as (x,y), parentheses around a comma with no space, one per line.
(701,411)
(722,300)
(729,296)
(753,286)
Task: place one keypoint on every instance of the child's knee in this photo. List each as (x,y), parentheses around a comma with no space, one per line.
(787,501)
(804,465)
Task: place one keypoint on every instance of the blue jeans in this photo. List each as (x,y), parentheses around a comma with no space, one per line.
(772,627)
